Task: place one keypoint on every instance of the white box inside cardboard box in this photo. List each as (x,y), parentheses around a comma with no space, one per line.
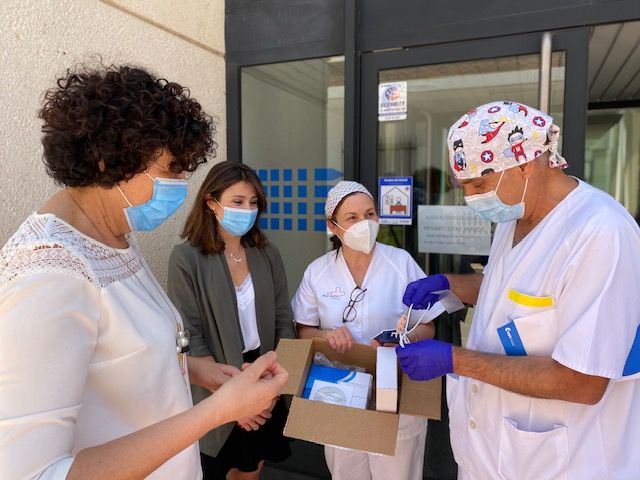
(342,426)
(386,379)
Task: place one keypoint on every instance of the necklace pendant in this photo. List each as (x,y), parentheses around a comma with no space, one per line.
(235,258)
(182,342)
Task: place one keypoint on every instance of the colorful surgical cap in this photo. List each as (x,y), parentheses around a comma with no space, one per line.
(500,135)
(341,190)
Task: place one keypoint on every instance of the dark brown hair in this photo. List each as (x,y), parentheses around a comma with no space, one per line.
(103,126)
(201,227)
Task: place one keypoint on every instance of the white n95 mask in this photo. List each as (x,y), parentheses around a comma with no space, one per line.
(361,236)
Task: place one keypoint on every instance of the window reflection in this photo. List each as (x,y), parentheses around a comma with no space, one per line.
(612,154)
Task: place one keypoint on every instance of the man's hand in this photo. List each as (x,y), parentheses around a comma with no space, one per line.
(426,359)
(420,292)
(251,392)
(207,373)
(340,339)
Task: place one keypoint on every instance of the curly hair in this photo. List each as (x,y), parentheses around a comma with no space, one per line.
(105,126)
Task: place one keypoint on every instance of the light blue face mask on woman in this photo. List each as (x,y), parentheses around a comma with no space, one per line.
(490,207)
(168,196)
(237,221)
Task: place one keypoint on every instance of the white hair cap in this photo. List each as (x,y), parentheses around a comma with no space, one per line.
(341,190)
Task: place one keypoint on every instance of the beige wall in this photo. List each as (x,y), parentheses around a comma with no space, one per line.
(182,41)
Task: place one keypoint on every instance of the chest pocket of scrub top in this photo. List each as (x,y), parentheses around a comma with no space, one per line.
(531,327)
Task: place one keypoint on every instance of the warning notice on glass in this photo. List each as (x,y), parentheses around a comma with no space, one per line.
(392,101)
(452,229)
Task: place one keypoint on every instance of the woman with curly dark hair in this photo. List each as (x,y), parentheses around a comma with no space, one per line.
(230,285)
(92,352)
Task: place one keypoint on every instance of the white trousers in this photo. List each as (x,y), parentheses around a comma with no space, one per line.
(406,464)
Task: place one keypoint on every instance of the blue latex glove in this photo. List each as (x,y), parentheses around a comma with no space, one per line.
(420,293)
(426,359)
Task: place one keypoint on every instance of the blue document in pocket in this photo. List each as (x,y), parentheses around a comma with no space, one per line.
(511,341)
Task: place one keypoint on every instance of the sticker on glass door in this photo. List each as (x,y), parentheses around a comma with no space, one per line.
(395,196)
(392,101)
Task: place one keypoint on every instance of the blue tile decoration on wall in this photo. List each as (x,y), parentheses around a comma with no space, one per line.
(321,191)
(326,174)
(289,213)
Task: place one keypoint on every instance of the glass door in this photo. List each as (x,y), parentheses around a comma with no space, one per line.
(439,84)
(442,83)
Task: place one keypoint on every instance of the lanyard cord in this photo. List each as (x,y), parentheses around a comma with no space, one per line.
(404,335)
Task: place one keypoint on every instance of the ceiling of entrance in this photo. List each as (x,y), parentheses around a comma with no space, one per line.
(614,62)
(614,74)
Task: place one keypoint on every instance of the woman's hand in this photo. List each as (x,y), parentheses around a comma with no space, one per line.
(251,392)
(207,373)
(255,422)
(340,339)
(402,323)
(376,344)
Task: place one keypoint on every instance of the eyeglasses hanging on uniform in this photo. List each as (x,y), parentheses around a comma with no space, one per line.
(349,314)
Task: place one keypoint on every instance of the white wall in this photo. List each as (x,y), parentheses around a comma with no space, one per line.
(39,39)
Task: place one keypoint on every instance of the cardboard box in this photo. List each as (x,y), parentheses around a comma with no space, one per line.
(366,430)
(386,379)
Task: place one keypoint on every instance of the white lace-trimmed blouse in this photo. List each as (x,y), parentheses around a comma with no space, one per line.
(86,356)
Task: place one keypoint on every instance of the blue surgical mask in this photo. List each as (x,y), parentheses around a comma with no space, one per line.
(237,221)
(168,195)
(490,207)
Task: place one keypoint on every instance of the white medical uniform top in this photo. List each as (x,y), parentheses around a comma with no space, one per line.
(327,285)
(246,301)
(570,287)
(85,355)
(326,288)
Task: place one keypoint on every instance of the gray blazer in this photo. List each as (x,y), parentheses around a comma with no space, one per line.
(201,288)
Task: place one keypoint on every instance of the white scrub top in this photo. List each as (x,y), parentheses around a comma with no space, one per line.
(327,285)
(568,290)
(325,291)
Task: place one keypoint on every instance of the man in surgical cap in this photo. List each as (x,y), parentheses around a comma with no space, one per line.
(547,386)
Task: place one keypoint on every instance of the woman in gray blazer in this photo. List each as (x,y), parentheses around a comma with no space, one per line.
(230,286)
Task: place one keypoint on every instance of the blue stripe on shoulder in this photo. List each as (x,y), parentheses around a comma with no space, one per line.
(632,365)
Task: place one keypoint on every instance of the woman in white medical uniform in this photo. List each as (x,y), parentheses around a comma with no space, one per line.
(348,296)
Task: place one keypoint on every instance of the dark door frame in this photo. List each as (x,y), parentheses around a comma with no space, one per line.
(575,42)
